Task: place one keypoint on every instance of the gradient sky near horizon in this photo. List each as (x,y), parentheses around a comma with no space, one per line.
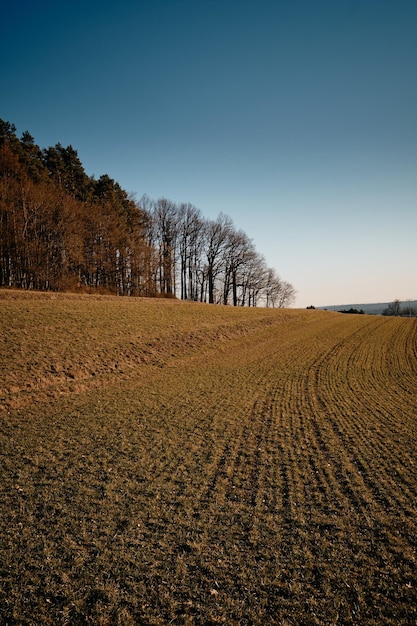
(297,118)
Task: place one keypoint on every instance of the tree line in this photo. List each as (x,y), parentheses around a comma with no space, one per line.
(394,309)
(61,229)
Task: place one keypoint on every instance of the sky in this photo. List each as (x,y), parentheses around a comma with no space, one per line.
(296,118)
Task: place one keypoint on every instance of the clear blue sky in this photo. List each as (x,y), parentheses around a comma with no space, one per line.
(297,118)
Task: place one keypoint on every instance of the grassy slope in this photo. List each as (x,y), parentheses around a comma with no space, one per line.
(52,344)
(164,461)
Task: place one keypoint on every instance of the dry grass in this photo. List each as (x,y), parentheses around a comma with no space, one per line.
(164,462)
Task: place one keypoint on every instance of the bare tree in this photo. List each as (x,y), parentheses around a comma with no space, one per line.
(272,287)
(165,215)
(150,260)
(190,241)
(394,308)
(286,295)
(278,293)
(251,279)
(240,254)
(217,233)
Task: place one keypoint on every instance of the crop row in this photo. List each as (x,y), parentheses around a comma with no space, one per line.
(267,477)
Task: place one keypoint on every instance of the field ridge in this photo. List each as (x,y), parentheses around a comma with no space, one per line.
(237,466)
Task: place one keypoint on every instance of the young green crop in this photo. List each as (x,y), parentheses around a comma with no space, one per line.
(166,462)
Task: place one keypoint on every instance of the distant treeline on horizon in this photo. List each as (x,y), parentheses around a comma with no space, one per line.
(61,229)
(403,308)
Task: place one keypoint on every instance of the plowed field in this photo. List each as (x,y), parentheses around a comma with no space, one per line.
(171,463)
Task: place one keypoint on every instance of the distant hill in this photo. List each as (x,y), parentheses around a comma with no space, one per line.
(375,308)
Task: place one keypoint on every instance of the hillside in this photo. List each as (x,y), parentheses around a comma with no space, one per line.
(172,462)
(371,308)
(56,344)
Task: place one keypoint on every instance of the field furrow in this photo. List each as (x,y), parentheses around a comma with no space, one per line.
(237,467)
